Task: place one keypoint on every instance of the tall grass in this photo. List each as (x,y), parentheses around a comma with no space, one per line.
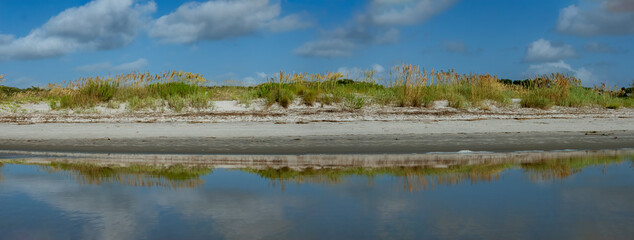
(402,86)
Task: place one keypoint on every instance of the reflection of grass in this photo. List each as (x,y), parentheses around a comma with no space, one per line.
(175,176)
(413,178)
(416,178)
(563,168)
(174,172)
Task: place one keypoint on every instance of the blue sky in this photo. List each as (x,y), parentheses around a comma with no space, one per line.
(44,41)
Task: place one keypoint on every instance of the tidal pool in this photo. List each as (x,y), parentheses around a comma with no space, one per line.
(582,198)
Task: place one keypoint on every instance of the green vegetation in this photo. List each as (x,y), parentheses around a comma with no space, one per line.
(550,169)
(407,86)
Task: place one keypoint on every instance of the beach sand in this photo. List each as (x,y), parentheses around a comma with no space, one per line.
(355,137)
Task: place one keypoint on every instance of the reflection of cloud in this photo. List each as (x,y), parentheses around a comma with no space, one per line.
(236,214)
(613,203)
(117,209)
(121,212)
(241,206)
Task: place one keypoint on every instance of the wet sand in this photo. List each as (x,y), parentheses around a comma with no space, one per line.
(360,137)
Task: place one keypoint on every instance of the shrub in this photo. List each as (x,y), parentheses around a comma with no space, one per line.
(353,101)
(536,100)
(100,91)
(309,97)
(285,97)
(176,103)
(166,90)
(199,100)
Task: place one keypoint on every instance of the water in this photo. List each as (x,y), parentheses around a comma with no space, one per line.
(569,199)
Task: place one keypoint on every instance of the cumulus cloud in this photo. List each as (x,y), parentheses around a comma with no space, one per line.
(584,74)
(220,19)
(377,25)
(107,66)
(611,17)
(544,51)
(97,25)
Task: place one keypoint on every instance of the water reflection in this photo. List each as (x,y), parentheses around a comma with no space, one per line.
(173,176)
(420,178)
(405,178)
(408,178)
(88,201)
(557,169)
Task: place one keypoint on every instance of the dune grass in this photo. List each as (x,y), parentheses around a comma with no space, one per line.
(406,86)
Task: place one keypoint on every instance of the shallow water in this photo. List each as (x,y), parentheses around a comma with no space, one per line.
(570,199)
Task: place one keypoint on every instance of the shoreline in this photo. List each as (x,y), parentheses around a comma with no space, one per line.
(299,162)
(357,137)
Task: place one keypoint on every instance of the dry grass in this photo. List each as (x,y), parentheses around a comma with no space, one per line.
(404,86)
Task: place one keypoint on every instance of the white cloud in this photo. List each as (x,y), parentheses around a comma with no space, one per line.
(350,72)
(356,73)
(544,51)
(139,64)
(585,75)
(612,17)
(403,12)
(377,25)
(220,19)
(288,23)
(378,68)
(98,25)
(261,75)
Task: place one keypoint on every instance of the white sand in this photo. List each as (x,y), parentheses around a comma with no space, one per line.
(266,129)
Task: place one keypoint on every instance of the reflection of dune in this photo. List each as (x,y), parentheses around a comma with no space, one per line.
(555,169)
(410,178)
(421,178)
(175,176)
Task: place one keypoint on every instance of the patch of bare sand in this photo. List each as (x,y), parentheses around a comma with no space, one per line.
(257,111)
